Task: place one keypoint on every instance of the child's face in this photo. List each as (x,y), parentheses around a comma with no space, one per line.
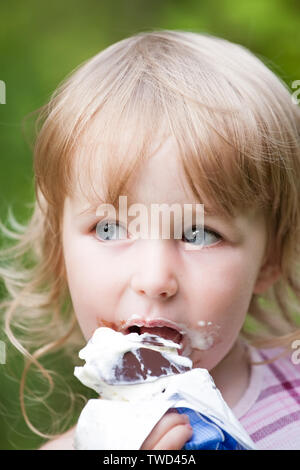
(203,293)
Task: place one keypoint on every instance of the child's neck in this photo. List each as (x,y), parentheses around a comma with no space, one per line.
(232,374)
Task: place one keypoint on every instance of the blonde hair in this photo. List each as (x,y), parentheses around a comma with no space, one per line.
(238,135)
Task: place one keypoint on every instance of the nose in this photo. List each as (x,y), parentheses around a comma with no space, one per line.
(155,276)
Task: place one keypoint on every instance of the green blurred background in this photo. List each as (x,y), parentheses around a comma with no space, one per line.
(41,42)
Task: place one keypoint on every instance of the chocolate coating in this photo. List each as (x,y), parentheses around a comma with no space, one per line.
(153,340)
(137,366)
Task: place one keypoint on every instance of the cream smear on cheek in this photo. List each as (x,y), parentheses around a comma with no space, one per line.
(201,338)
(205,339)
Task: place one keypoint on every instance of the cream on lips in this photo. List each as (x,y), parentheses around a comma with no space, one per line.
(200,337)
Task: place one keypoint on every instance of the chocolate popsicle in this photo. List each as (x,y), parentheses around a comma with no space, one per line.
(115,363)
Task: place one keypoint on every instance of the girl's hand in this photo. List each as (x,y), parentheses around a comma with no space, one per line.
(170,433)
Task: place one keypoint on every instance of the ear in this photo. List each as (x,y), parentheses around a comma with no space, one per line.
(268,275)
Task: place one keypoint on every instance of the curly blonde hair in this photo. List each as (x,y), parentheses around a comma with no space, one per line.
(238,134)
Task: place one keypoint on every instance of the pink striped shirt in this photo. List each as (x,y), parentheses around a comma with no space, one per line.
(270,409)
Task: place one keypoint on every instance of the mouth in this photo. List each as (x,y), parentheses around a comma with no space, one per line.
(157,328)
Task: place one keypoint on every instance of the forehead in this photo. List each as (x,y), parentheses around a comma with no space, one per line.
(159,178)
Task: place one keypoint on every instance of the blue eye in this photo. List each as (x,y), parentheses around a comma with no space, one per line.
(202,237)
(107,231)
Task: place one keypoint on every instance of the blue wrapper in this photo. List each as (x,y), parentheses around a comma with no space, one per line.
(207,435)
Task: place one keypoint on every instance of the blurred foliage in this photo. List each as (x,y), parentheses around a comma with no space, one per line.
(41,42)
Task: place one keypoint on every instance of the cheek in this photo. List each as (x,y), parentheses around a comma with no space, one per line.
(92,281)
(230,295)
(222,298)
(225,283)
(236,282)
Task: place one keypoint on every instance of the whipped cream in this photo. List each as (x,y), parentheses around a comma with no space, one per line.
(104,354)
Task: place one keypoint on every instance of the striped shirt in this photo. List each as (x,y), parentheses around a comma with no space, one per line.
(270,408)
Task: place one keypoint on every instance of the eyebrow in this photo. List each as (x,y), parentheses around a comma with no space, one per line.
(89,210)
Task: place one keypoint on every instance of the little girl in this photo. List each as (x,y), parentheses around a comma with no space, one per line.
(169,117)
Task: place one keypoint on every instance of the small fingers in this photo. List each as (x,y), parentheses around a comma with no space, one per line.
(175,438)
(172,430)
